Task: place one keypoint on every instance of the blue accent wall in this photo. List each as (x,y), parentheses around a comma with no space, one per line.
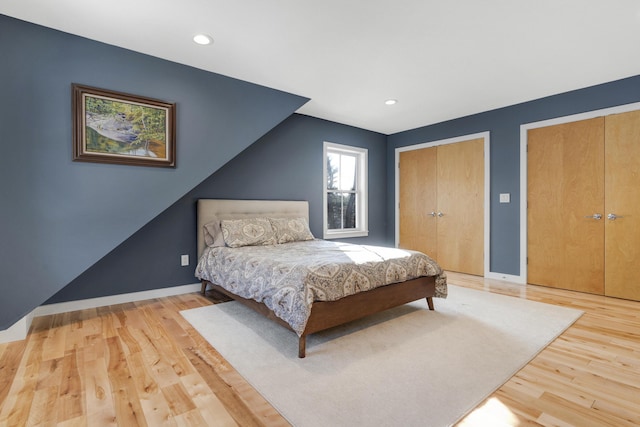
(285,164)
(504,125)
(60,217)
(79,230)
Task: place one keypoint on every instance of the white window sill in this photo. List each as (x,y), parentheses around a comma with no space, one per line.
(345,234)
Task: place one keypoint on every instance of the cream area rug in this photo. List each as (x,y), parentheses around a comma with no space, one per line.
(407,366)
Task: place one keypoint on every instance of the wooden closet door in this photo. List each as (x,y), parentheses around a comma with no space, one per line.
(565,188)
(622,183)
(461,203)
(417,196)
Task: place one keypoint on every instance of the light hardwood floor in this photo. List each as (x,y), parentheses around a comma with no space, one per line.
(143,364)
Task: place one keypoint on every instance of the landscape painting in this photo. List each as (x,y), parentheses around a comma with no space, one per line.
(113,127)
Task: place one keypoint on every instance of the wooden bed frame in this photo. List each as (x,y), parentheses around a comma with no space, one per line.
(324,314)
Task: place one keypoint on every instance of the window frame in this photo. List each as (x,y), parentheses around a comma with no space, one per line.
(361,193)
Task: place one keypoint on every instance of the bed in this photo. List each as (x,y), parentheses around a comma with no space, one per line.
(262,254)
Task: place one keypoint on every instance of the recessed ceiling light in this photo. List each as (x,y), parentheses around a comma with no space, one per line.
(390,101)
(202,39)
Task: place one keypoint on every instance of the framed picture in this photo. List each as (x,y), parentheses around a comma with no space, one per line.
(113,127)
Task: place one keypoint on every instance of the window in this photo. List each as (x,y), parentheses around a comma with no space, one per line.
(345,191)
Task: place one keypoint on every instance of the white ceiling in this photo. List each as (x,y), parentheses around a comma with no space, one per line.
(439,59)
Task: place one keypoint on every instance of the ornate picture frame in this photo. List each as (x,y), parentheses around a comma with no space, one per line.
(115,127)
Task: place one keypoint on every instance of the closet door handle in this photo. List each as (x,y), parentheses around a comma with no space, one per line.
(613,217)
(433,214)
(595,216)
(440,214)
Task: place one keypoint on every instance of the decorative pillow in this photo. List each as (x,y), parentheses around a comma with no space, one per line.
(291,229)
(247,232)
(213,234)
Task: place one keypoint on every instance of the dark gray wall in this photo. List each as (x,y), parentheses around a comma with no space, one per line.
(285,164)
(60,217)
(504,125)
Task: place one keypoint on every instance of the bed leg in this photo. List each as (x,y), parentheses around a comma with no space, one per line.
(203,289)
(430,303)
(302,344)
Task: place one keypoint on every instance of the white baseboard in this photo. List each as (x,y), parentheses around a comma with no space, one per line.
(18,331)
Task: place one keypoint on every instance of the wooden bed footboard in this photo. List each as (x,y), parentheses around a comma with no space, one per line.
(327,314)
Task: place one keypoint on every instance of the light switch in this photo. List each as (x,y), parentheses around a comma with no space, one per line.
(505,198)
(184,260)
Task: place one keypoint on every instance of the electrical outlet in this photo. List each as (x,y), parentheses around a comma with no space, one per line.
(184,260)
(505,197)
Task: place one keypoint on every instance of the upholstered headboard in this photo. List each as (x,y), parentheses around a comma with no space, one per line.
(219,209)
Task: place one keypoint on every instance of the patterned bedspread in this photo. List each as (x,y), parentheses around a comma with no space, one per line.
(289,277)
